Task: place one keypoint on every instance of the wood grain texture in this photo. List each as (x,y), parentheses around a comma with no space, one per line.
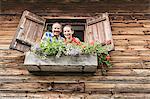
(127,79)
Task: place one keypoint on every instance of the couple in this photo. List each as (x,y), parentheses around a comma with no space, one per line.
(56,30)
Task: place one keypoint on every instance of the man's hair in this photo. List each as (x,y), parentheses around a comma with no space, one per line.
(56,23)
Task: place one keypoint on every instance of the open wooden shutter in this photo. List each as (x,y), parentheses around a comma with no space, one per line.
(98,29)
(29,31)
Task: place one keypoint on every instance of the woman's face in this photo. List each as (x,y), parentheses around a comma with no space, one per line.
(67,32)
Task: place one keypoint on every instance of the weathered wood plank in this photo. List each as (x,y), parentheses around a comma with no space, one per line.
(22,86)
(132,95)
(130,25)
(130,58)
(127,65)
(129,16)
(131,37)
(126,25)
(130,53)
(17,64)
(132,31)
(131,48)
(67,87)
(59,87)
(57,95)
(11,25)
(13,71)
(6,34)
(5,42)
(54,95)
(129,72)
(8,29)
(12,57)
(120,96)
(114,88)
(4,47)
(130,21)
(9,18)
(132,42)
(3,37)
(46,95)
(74,79)
(10,52)
(71,87)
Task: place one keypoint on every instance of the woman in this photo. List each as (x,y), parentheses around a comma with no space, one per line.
(68,33)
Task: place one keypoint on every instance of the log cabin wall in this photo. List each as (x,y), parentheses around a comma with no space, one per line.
(128,78)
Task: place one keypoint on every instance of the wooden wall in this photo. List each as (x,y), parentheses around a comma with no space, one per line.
(128,78)
(84,7)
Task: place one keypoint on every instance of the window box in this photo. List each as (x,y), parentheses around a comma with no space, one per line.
(81,63)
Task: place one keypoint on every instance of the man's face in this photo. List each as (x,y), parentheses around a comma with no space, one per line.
(56,29)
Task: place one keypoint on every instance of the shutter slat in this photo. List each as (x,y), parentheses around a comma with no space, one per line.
(94,21)
(34,20)
(101,32)
(108,33)
(95,32)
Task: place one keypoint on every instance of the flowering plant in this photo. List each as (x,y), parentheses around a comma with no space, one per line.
(102,54)
(59,48)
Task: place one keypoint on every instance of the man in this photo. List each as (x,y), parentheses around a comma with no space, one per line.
(56,30)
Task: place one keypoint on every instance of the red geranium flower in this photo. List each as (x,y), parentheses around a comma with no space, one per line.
(108,57)
(92,42)
(78,43)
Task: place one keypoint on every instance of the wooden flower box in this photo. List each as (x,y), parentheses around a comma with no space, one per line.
(81,63)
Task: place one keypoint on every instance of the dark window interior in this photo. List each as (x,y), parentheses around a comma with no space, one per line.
(78,26)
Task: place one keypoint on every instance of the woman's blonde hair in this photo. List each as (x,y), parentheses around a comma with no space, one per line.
(69,27)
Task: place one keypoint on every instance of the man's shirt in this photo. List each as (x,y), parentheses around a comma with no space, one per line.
(50,35)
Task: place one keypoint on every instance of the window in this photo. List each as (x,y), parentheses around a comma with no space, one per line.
(78,26)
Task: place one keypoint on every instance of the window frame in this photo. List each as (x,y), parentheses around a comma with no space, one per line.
(67,18)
